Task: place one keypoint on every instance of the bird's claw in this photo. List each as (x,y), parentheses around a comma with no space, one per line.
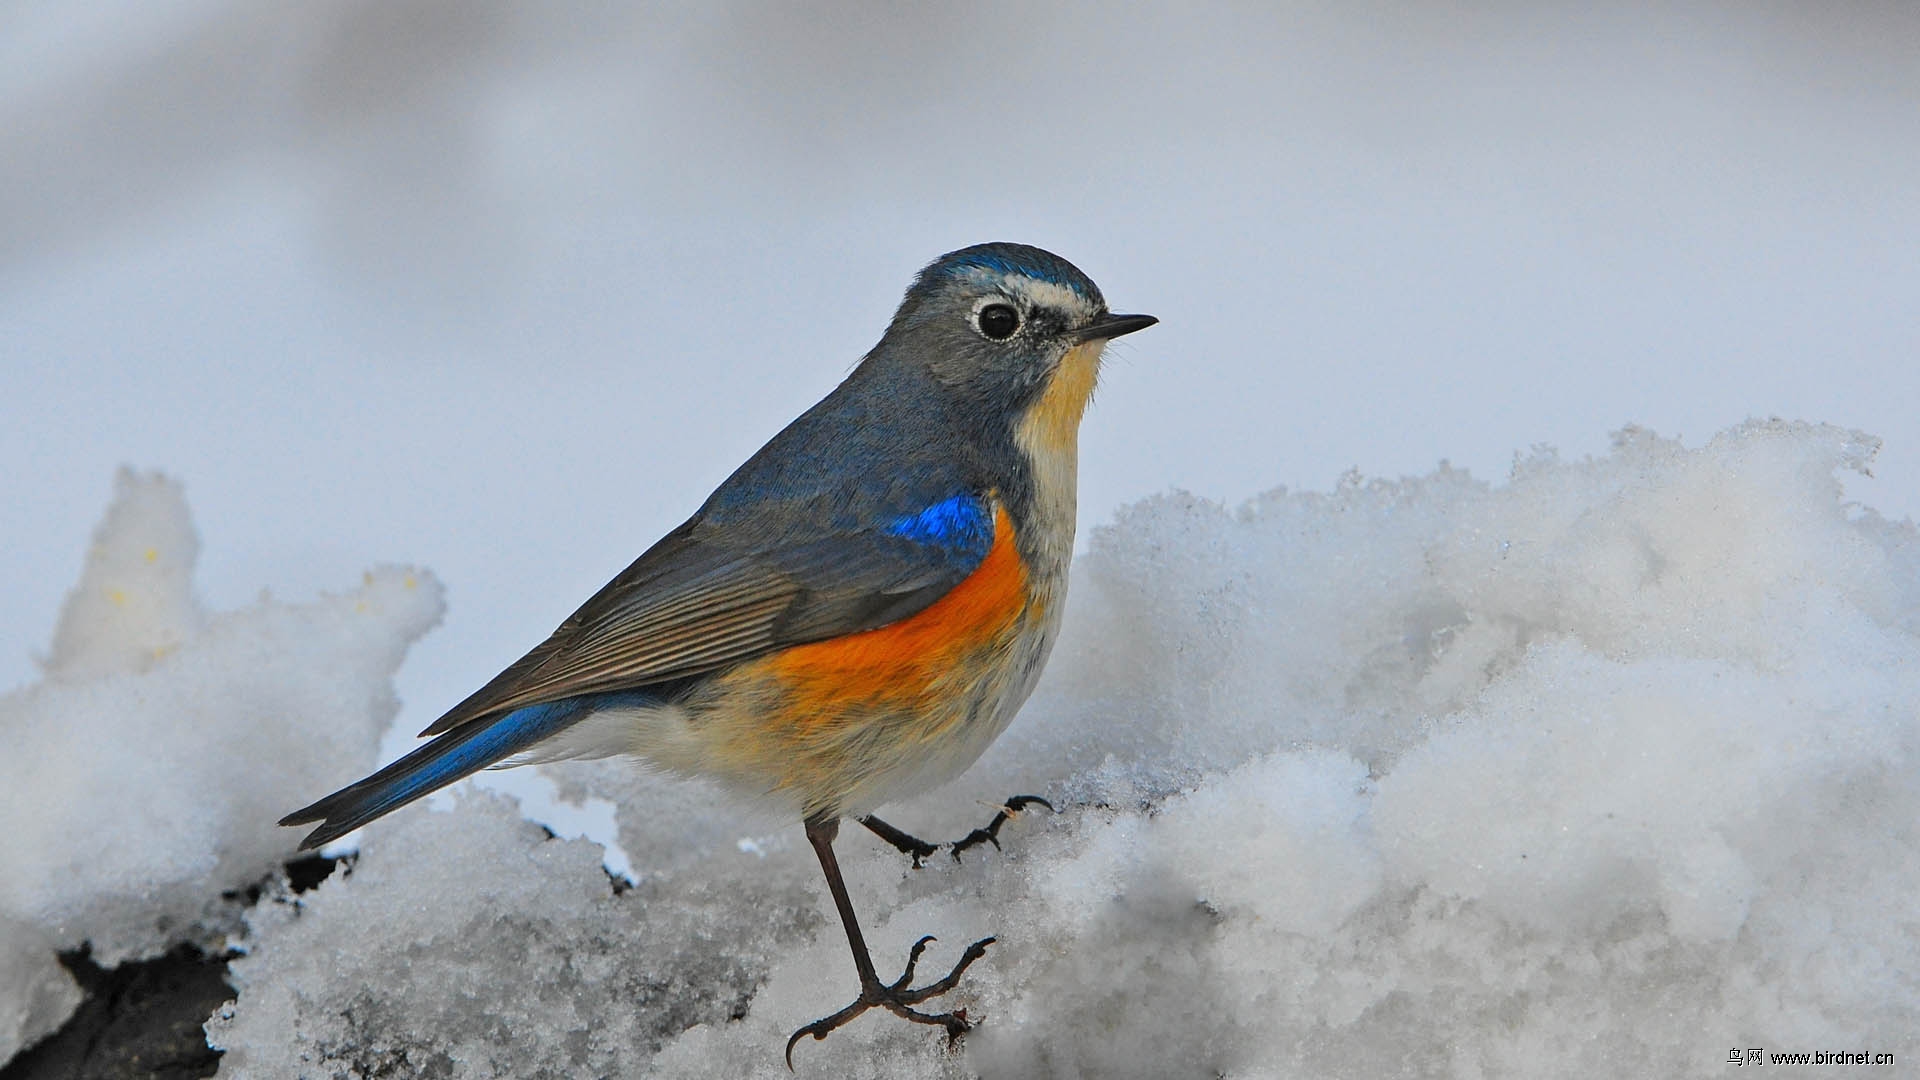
(991,834)
(898,1000)
(917,849)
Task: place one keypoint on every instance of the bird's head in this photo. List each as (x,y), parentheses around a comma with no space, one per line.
(1014,331)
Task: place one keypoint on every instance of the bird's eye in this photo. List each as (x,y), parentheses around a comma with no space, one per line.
(997,321)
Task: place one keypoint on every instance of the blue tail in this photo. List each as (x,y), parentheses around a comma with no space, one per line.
(464,750)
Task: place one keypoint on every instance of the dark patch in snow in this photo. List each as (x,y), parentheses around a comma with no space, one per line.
(140,1021)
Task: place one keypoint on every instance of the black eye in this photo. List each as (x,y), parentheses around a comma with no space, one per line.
(998,321)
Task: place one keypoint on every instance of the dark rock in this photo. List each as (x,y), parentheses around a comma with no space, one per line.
(140,1020)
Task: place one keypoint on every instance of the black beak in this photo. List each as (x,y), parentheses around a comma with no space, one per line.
(1108,327)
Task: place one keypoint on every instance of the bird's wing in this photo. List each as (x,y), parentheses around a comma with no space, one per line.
(699,601)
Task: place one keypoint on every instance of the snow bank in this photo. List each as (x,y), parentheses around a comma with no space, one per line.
(150,762)
(1610,768)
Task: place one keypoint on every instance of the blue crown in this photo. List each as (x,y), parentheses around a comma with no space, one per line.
(1002,258)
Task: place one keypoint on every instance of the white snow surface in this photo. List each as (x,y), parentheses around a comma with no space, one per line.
(151,760)
(1608,769)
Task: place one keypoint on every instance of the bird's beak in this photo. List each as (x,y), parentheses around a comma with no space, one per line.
(1107,327)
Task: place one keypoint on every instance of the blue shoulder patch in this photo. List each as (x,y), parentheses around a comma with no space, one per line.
(962,524)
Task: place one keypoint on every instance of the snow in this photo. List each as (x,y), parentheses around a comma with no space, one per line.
(163,740)
(1607,767)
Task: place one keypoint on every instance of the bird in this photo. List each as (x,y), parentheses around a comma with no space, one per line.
(853,615)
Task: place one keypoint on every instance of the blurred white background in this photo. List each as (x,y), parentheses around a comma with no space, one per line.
(504,290)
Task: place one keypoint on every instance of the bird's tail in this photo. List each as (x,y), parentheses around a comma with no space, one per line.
(466,749)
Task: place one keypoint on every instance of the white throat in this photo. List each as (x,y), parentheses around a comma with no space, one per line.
(1049,436)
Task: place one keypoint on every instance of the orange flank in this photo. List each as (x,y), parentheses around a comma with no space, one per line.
(901,662)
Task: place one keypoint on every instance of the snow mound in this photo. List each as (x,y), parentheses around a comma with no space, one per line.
(1607,768)
(164,740)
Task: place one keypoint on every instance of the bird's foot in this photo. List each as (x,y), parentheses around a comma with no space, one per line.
(991,834)
(919,849)
(898,1000)
(906,843)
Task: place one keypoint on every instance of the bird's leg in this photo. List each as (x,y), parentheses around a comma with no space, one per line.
(909,844)
(894,997)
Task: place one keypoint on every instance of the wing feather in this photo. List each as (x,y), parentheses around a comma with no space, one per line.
(694,604)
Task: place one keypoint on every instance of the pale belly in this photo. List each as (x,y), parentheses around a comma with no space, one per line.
(751,732)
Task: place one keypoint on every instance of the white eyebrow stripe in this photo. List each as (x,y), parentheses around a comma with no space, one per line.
(1047,294)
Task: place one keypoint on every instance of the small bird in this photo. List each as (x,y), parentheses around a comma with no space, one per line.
(854,615)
